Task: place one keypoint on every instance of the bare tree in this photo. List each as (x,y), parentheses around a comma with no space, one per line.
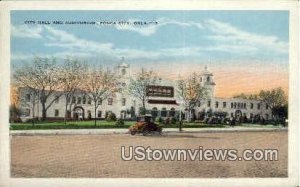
(241,96)
(190,92)
(71,80)
(138,86)
(99,86)
(253,96)
(41,75)
(246,96)
(274,99)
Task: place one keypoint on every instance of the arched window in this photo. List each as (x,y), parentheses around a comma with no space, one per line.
(163,112)
(208,79)
(208,103)
(79,100)
(172,112)
(154,112)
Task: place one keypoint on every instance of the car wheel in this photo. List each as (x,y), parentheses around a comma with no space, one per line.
(132,133)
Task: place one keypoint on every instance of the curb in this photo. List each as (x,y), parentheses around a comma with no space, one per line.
(125,131)
(233,130)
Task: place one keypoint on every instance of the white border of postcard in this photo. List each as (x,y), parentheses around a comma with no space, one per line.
(292,6)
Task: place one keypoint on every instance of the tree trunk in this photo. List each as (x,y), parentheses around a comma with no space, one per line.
(143,103)
(33,115)
(66,112)
(189,115)
(44,111)
(95,116)
(70,109)
(180,125)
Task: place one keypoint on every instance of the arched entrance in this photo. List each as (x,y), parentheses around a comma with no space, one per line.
(238,114)
(123,114)
(163,112)
(78,113)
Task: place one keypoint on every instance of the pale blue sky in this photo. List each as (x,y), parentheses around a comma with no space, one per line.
(189,36)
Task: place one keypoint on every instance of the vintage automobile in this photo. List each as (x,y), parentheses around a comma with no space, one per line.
(145,125)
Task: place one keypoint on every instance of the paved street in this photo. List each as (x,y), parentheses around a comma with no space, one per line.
(99,155)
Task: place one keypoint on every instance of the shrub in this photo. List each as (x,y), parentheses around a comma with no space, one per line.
(158,119)
(167,121)
(225,121)
(220,114)
(212,120)
(15,120)
(244,119)
(173,120)
(111,117)
(262,121)
(119,122)
(209,113)
(31,120)
(198,121)
(206,120)
(142,111)
(133,118)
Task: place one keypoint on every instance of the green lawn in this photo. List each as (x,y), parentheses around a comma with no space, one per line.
(70,125)
(103,124)
(258,125)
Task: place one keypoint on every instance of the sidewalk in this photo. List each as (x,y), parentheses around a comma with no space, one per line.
(124,131)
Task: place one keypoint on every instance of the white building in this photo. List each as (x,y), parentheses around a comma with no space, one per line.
(163,102)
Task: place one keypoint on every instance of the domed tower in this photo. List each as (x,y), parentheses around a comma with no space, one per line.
(207,80)
(123,69)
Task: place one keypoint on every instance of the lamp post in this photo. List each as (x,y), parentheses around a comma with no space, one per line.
(180,116)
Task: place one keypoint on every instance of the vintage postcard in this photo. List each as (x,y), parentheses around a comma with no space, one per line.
(138,94)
